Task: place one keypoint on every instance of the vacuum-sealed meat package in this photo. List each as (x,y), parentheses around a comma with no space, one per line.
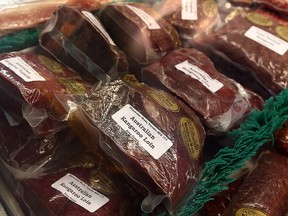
(188,73)
(191,18)
(84,185)
(31,81)
(24,154)
(265,190)
(78,39)
(256,41)
(139,30)
(280,6)
(281,139)
(242,2)
(221,200)
(154,137)
(16,15)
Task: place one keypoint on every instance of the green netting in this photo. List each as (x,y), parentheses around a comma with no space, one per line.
(255,131)
(19,40)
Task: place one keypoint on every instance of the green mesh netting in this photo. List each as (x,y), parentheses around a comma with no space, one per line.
(255,131)
(19,40)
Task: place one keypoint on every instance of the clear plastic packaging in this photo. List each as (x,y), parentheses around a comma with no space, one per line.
(79,40)
(265,190)
(152,136)
(30,82)
(257,42)
(191,18)
(188,73)
(17,14)
(221,200)
(84,185)
(281,139)
(280,6)
(25,155)
(139,30)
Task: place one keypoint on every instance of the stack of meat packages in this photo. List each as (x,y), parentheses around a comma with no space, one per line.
(116,111)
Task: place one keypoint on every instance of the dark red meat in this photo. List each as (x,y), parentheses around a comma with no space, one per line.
(37,100)
(265,189)
(78,39)
(134,36)
(189,28)
(174,173)
(220,109)
(269,67)
(95,172)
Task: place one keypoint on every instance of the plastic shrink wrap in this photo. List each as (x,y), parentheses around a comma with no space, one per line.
(152,136)
(79,40)
(191,18)
(147,36)
(17,15)
(221,200)
(30,82)
(280,6)
(188,73)
(265,190)
(256,41)
(25,155)
(85,184)
(281,139)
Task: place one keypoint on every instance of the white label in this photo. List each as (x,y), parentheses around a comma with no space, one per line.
(142,130)
(22,69)
(146,18)
(98,25)
(268,40)
(80,193)
(196,73)
(189,10)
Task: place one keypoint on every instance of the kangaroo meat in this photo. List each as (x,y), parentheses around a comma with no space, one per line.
(188,73)
(191,18)
(16,15)
(139,31)
(257,41)
(24,154)
(265,190)
(78,39)
(84,185)
(281,140)
(276,5)
(220,201)
(156,138)
(33,80)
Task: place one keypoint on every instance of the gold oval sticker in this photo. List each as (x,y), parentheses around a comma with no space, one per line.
(190,137)
(73,86)
(259,19)
(249,212)
(130,78)
(282,31)
(164,100)
(210,8)
(52,65)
